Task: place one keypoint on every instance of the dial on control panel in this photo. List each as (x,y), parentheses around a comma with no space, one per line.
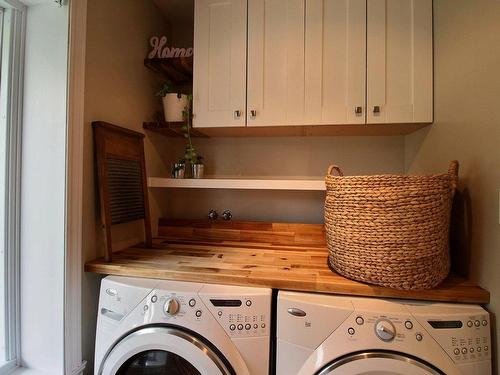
(385,330)
(171,307)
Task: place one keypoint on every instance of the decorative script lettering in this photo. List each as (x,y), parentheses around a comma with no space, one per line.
(161,51)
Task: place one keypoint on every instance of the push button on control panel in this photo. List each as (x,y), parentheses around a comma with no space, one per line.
(408,324)
(456,351)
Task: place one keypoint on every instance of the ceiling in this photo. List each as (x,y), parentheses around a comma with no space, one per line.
(177,11)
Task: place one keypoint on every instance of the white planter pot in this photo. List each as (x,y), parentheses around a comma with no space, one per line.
(173,105)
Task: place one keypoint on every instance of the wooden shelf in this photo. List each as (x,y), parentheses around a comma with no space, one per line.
(177,70)
(171,129)
(228,182)
(281,256)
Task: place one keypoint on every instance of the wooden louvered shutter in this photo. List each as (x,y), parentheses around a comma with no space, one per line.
(122,179)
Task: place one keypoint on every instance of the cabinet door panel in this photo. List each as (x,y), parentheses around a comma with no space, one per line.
(399,61)
(275,62)
(335,61)
(219,82)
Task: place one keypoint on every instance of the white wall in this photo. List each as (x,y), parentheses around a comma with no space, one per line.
(467,128)
(43,188)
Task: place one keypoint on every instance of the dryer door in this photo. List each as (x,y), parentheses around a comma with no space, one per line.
(379,363)
(164,350)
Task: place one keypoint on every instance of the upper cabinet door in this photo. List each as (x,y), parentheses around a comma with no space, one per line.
(219,82)
(399,61)
(335,62)
(275,62)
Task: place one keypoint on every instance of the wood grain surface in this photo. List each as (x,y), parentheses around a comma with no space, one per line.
(280,256)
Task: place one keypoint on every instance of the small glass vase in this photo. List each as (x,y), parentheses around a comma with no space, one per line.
(178,170)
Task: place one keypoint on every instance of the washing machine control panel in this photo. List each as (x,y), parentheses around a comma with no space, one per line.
(246,316)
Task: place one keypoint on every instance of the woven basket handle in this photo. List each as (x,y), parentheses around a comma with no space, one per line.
(335,168)
(453,173)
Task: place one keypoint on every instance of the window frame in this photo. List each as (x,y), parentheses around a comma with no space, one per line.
(14,80)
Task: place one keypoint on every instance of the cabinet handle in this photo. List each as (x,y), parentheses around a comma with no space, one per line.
(253,114)
(358,110)
(237,114)
(376,109)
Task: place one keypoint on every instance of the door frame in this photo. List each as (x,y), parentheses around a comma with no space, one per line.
(73,362)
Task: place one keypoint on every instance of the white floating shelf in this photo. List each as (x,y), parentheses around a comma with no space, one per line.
(257,183)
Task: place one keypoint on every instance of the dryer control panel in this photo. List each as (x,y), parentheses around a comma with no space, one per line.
(465,338)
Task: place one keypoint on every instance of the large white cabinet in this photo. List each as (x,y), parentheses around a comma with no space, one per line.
(219,83)
(314,62)
(399,61)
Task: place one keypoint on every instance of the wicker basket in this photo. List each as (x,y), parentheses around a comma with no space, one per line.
(390,230)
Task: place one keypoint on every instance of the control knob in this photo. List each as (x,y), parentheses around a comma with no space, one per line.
(172,306)
(385,330)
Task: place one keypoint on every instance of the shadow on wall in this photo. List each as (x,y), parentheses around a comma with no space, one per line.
(461,233)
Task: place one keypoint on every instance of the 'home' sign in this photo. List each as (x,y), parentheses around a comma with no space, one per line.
(161,51)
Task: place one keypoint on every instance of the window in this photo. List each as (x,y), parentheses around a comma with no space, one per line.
(12,19)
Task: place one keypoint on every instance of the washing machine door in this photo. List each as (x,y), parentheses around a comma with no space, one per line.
(378,363)
(164,350)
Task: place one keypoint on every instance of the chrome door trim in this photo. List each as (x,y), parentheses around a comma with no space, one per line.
(174,332)
(376,354)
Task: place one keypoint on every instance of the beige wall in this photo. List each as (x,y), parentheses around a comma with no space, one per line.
(467,126)
(290,156)
(120,90)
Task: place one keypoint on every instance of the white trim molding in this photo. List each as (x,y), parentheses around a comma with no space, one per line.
(73,362)
(13,84)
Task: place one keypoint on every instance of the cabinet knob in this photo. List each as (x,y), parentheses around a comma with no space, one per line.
(253,113)
(376,109)
(358,110)
(237,114)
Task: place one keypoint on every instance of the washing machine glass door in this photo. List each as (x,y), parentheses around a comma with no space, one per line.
(164,350)
(379,363)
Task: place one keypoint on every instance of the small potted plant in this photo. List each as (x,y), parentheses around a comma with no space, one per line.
(190,153)
(173,103)
(197,167)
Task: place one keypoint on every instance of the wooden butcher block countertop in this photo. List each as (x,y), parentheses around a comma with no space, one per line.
(280,256)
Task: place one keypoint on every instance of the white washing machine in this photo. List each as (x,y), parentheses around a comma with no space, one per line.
(323,334)
(164,327)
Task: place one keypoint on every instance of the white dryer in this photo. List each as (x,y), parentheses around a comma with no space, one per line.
(324,334)
(164,327)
